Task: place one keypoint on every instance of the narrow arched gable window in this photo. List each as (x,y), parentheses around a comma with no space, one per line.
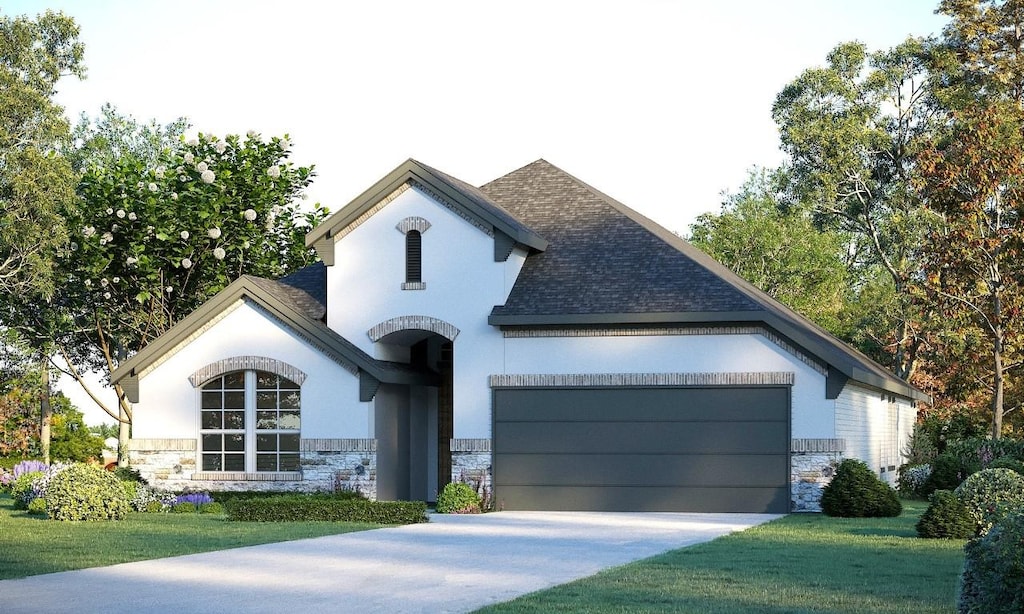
(413,229)
(413,257)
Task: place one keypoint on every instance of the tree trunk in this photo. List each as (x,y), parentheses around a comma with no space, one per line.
(124,432)
(997,392)
(45,409)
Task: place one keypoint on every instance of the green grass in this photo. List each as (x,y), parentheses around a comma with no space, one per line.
(800,563)
(31,545)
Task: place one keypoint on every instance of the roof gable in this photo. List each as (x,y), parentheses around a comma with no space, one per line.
(508,230)
(607,264)
(295,308)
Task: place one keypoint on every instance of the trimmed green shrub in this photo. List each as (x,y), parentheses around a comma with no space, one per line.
(86,492)
(993,576)
(185,507)
(211,508)
(912,480)
(325,508)
(458,498)
(21,489)
(990,495)
(856,492)
(127,474)
(37,506)
(947,474)
(1008,462)
(976,453)
(946,518)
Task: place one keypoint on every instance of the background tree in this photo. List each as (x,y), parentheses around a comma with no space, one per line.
(851,130)
(155,238)
(36,182)
(778,249)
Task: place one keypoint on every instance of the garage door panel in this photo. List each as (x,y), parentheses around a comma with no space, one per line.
(647,437)
(660,404)
(644,499)
(640,469)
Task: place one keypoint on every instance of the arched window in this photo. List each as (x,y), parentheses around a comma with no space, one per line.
(250,422)
(413,257)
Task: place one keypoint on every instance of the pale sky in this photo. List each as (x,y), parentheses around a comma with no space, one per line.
(662,105)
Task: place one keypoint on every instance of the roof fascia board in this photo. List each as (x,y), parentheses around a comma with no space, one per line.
(412,170)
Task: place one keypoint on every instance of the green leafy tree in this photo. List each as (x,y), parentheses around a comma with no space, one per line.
(71,439)
(851,130)
(778,249)
(156,238)
(36,181)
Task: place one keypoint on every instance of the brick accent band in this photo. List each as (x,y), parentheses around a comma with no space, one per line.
(413,223)
(769,378)
(471,445)
(291,476)
(162,445)
(818,445)
(240,363)
(338,445)
(427,323)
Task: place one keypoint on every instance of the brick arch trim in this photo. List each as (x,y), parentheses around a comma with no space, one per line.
(242,363)
(400,323)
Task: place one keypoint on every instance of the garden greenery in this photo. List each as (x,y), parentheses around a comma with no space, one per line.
(458,498)
(993,576)
(856,492)
(990,495)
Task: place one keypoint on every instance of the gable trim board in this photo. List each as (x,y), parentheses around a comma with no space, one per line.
(588,318)
(462,198)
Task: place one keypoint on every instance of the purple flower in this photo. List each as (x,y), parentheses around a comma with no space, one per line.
(197,498)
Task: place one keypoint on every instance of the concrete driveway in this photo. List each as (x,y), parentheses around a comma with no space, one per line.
(452,564)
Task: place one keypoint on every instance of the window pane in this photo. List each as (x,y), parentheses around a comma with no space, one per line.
(289,420)
(234,400)
(266,420)
(234,443)
(211,462)
(266,400)
(234,420)
(266,443)
(212,420)
(266,462)
(235,381)
(215,384)
(287,384)
(288,443)
(234,462)
(266,380)
(289,462)
(211,443)
(290,400)
(212,400)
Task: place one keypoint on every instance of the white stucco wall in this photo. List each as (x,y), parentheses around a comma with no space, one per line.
(463,283)
(168,404)
(876,427)
(812,414)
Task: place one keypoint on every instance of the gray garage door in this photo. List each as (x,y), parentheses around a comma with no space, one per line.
(716,449)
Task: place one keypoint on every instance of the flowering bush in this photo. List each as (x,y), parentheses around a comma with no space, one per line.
(21,489)
(86,492)
(143,498)
(913,478)
(990,495)
(195,498)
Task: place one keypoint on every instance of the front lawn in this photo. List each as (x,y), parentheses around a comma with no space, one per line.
(800,563)
(31,545)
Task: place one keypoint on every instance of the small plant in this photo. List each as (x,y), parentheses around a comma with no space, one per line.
(211,508)
(990,495)
(37,506)
(144,498)
(947,474)
(946,518)
(127,474)
(913,478)
(458,498)
(993,576)
(185,507)
(21,489)
(856,492)
(195,498)
(86,492)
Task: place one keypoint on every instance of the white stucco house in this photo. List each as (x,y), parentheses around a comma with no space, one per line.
(532,336)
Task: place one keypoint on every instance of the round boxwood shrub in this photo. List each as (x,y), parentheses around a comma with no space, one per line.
(185,507)
(856,492)
(37,506)
(86,492)
(992,580)
(211,508)
(1008,462)
(947,474)
(991,494)
(458,498)
(946,518)
(21,489)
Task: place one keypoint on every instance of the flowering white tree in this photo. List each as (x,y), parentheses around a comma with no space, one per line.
(158,236)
